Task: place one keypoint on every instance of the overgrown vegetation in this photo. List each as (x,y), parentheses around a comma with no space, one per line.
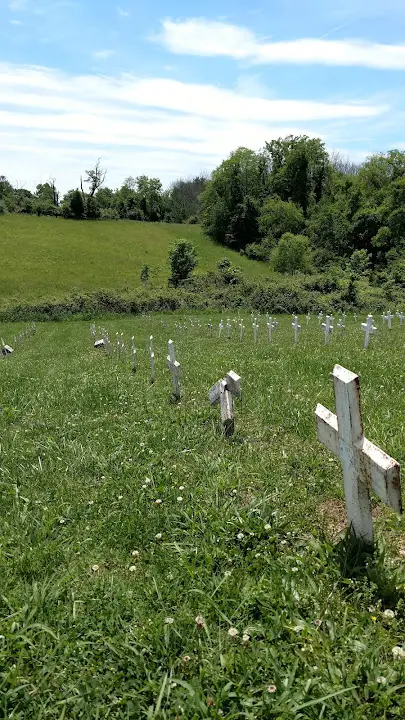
(231,597)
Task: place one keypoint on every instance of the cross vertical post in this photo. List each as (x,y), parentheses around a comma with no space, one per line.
(152,360)
(327,328)
(364,465)
(297,327)
(368,329)
(242,330)
(255,330)
(389,318)
(228,329)
(175,369)
(220,328)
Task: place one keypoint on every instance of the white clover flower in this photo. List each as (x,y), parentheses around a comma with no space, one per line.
(267,526)
(144,487)
(233,632)
(132,568)
(294,569)
(148,480)
(169,621)
(135,553)
(62,521)
(245,638)
(271,688)
(240,536)
(158,501)
(120,497)
(91,502)
(95,568)
(158,536)
(389,613)
(381,680)
(179,499)
(181,488)
(398,653)
(200,622)
(283,542)
(227,573)
(186,658)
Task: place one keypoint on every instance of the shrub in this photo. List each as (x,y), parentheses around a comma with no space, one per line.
(292,254)
(182,259)
(144,274)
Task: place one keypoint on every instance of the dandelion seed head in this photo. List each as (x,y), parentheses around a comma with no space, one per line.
(181,488)
(381,680)
(233,632)
(267,526)
(169,621)
(398,653)
(95,568)
(158,536)
(245,638)
(240,536)
(389,613)
(158,501)
(199,621)
(179,499)
(132,568)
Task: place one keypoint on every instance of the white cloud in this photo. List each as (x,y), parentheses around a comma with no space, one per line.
(15,22)
(103,54)
(154,126)
(123,13)
(198,36)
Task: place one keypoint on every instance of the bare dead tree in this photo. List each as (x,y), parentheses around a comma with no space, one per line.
(95,178)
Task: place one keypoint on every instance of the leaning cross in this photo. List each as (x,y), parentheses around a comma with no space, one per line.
(222,393)
(368,329)
(297,327)
(364,465)
(152,360)
(175,369)
(327,328)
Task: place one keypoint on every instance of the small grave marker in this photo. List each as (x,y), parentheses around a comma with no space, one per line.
(6,349)
(308,318)
(368,329)
(389,318)
(401,316)
(327,328)
(228,329)
(255,331)
(271,325)
(99,344)
(341,326)
(152,360)
(242,330)
(222,393)
(297,327)
(220,328)
(320,317)
(133,355)
(175,369)
(210,327)
(364,465)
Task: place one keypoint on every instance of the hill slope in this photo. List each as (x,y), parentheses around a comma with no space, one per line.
(47,257)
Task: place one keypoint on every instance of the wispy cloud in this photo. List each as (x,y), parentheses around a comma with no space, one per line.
(123,13)
(103,54)
(127,117)
(15,22)
(198,36)
(17,5)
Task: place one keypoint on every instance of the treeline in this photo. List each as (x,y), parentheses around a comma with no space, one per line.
(305,210)
(140,198)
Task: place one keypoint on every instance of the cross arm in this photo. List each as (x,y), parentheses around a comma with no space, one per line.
(381,473)
(327,429)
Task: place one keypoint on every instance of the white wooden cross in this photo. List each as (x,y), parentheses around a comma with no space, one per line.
(320,317)
(133,355)
(210,327)
(118,344)
(220,328)
(384,317)
(297,327)
(308,318)
(368,329)
(222,393)
(152,360)
(327,328)
(242,329)
(228,328)
(340,325)
(93,330)
(175,369)
(271,325)
(401,316)
(122,349)
(255,331)
(364,465)
(390,318)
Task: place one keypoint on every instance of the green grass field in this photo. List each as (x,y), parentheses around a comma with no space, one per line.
(100,585)
(50,258)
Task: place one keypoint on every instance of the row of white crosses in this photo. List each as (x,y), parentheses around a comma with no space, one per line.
(364,465)
(6,350)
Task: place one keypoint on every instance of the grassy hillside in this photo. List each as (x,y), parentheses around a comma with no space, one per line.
(46,257)
(101,586)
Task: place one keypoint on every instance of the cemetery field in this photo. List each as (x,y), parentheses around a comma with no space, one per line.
(152,568)
(46,258)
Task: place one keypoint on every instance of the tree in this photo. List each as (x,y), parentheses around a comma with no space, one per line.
(76,205)
(183,260)
(95,178)
(184,198)
(292,254)
(149,193)
(278,217)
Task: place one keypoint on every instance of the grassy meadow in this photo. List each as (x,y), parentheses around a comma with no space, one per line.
(45,258)
(234,596)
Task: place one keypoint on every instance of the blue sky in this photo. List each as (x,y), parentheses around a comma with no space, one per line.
(169,89)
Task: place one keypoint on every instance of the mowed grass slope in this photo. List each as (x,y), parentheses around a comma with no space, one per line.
(101,585)
(43,258)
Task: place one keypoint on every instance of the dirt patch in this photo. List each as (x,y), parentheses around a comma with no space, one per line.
(334,516)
